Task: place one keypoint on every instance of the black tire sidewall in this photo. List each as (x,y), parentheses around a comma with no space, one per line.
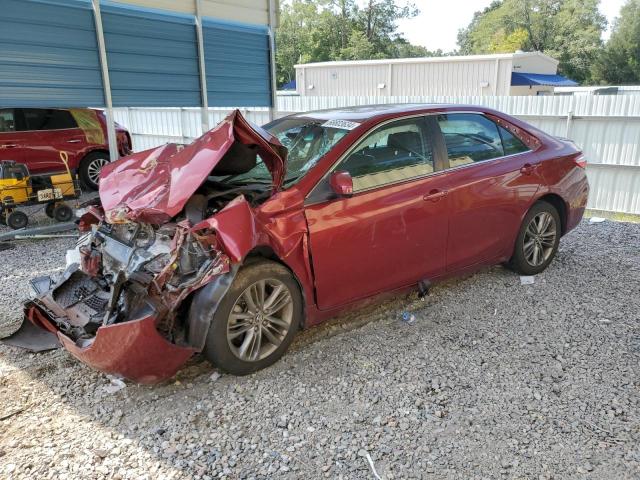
(217,349)
(83,171)
(58,213)
(48,209)
(13,216)
(518,261)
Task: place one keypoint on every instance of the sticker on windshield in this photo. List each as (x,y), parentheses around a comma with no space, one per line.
(343,124)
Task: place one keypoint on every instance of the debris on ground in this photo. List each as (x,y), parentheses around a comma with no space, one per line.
(527,280)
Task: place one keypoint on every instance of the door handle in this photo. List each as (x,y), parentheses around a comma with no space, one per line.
(528,168)
(73,141)
(9,145)
(435,195)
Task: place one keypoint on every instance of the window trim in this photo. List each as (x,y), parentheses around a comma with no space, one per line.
(435,146)
(24,120)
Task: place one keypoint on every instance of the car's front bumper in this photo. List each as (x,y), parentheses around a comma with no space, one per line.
(134,349)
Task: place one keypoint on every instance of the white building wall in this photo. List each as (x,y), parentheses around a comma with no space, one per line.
(478,75)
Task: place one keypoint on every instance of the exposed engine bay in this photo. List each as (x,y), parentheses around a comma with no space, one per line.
(166,224)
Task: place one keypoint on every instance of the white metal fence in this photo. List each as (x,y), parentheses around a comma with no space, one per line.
(607,128)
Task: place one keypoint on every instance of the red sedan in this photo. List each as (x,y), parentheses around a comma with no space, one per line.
(231,244)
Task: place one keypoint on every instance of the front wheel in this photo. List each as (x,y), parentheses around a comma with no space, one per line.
(90,167)
(537,241)
(256,320)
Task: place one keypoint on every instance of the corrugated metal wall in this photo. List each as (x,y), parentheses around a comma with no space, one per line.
(48,54)
(152,56)
(237,63)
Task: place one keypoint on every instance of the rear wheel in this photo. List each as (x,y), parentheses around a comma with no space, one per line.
(537,241)
(256,321)
(17,219)
(90,167)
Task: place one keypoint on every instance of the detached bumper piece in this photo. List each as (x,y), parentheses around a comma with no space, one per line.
(73,308)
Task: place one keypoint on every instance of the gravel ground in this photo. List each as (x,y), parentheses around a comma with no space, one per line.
(494,380)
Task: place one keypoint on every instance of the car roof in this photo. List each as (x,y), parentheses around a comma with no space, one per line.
(370,112)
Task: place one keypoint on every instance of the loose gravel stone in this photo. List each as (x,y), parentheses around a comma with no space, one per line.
(494,380)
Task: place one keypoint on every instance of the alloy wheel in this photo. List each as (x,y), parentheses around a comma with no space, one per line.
(93,169)
(539,239)
(260,320)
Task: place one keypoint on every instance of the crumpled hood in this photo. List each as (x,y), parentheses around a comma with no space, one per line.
(153,186)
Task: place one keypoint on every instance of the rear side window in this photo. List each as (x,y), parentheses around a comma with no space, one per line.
(470,138)
(511,143)
(7,122)
(48,119)
(395,152)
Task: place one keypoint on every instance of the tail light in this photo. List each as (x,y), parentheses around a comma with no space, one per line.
(581,161)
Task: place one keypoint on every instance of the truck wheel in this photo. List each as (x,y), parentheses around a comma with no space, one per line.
(62,212)
(90,167)
(17,220)
(48,210)
(256,320)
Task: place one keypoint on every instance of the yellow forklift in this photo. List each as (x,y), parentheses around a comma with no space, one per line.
(19,189)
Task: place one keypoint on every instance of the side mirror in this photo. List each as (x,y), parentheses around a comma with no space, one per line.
(341,183)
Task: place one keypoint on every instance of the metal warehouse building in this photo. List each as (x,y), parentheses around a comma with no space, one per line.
(517,73)
(137,53)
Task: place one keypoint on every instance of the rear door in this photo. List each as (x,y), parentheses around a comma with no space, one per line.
(492,180)
(51,131)
(392,232)
(11,139)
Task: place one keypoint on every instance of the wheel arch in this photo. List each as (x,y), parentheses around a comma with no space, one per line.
(560,205)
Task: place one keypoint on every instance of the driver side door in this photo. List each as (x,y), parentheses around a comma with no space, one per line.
(392,231)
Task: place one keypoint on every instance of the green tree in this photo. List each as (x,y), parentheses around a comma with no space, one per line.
(619,62)
(568,30)
(317,31)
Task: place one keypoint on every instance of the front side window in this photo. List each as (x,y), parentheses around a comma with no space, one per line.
(470,138)
(48,119)
(395,152)
(7,122)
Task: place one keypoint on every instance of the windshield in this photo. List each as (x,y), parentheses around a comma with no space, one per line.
(306,139)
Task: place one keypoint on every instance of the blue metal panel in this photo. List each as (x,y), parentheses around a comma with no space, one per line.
(237,64)
(49,54)
(152,56)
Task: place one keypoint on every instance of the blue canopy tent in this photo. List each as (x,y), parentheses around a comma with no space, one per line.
(527,79)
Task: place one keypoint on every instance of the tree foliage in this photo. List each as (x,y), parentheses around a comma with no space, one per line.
(568,30)
(325,30)
(619,62)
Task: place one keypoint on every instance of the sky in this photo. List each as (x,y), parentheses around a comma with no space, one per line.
(439,21)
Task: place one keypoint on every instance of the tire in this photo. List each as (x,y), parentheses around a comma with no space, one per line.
(17,219)
(90,168)
(228,335)
(62,212)
(48,209)
(534,249)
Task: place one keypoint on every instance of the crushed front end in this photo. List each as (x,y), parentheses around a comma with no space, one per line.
(159,232)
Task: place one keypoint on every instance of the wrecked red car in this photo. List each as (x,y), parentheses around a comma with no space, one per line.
(229,245)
